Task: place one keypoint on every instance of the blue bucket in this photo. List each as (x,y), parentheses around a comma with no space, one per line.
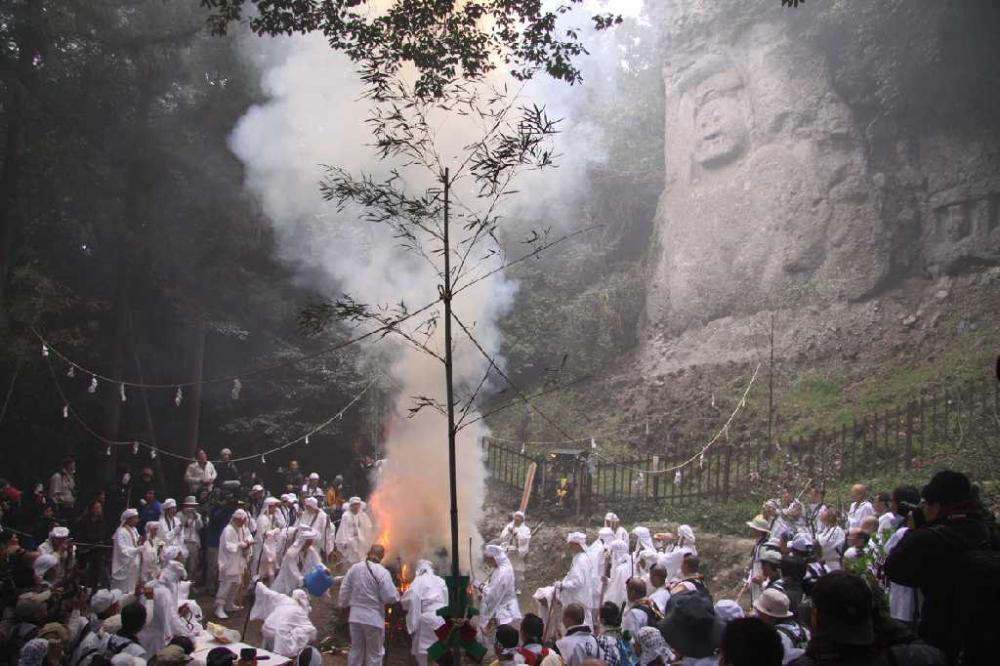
(318,581)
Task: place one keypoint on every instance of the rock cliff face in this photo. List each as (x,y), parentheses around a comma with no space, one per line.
(820,157)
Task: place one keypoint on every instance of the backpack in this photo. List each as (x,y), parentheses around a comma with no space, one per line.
(795,633)
(977,590)
(653,614)
(105,651)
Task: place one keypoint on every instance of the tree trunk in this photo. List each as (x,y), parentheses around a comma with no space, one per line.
(119,343)
(193,397)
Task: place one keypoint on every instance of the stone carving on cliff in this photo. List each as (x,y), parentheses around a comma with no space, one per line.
(768,201)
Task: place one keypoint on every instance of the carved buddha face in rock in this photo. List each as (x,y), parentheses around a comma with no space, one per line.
(721,134)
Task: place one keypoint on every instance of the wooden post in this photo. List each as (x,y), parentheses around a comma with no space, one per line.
(726,472)
(909,435)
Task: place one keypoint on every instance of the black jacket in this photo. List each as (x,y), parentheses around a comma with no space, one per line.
(930,558)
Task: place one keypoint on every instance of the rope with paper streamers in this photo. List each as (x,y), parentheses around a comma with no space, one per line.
(700,455)
(96,377)
(69,411)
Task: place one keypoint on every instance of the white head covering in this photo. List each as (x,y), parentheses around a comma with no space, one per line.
(225,452)
(314,477)
(519,514)
(173,572)
(606,534)
(577,537)
(239,513)
(154,526)
(493,551)
(610,517)
(271,501)
(354,500)
(300,597)
(685,532)
(653,645)
(424,567)
(728,610)
(43,563)
(288,497)
(59,532)
(169,553)
(643,540)
(128,513)
(105,599)
(802,543)
(311,503)
(169,503)
(190,500)
(257,488)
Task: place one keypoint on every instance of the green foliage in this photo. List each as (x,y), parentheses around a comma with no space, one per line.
(443,40)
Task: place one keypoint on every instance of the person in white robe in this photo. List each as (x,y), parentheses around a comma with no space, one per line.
(830,540)
(680,544)
(289,508)
(621,572)
(170,524)
(515,540)
(860,507)
(366,590)
(234,556)
(58,545)
(190,537)
(300,558)
(426,595)
(164,620)
(267,541)
(644,554)
(577,586)
(287,628)
(354,536)
(599,553)
(150,551)
(612,522)
(319,522)
(125,553)
(499,597)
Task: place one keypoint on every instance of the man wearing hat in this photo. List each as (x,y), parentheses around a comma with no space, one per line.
(499,595)
(125,553)
(267,541)
(59,545)
(255,503)
(191,524)
(317,520)
(773,607)
(170,524)
(577,586)
(612,522)
(843,630)
(311,488)
(289,509)
(691,627)
(761,529)
(234,556)
(103,604)
(300,558)
(355,532)
(515,539)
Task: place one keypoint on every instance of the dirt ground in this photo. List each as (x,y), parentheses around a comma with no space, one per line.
(724,560)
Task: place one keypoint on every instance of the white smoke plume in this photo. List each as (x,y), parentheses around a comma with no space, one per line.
(312,116)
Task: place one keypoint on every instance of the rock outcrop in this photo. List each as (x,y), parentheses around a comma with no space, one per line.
(817,157)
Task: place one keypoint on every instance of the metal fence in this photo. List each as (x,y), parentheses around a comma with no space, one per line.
(888,440)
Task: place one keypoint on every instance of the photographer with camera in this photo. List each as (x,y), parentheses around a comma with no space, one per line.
(950,553)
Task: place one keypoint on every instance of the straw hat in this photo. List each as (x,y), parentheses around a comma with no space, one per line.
(759,523)
(773,603)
